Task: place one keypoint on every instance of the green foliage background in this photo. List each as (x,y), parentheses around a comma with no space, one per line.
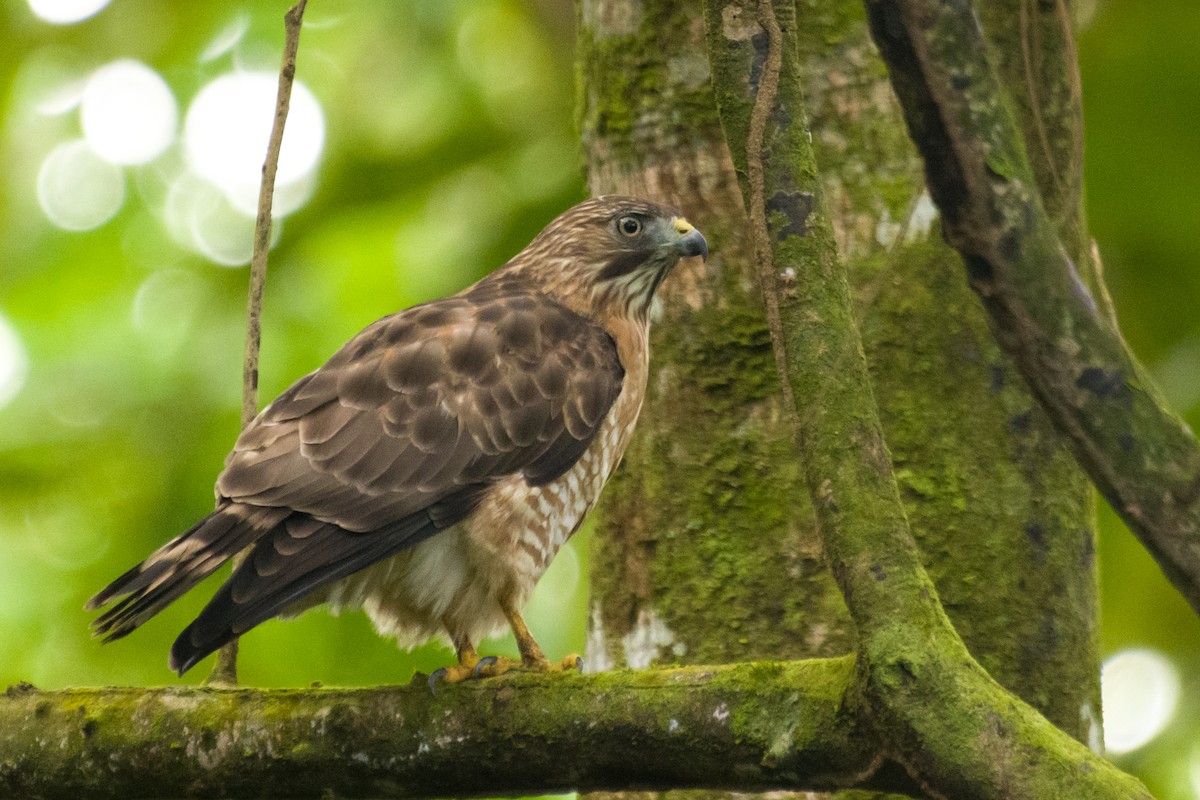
(449,144)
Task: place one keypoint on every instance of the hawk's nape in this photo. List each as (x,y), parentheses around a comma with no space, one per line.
(431,469)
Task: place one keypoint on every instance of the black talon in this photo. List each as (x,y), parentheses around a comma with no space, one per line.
(479,665)
(434,677)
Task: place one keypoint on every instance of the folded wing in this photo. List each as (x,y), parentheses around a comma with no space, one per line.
(398,436)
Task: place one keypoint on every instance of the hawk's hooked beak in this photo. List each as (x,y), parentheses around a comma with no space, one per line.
(691,241)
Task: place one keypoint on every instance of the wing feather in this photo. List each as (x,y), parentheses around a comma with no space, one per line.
(470,388)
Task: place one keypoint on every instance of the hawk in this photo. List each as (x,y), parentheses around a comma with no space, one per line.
(432,468)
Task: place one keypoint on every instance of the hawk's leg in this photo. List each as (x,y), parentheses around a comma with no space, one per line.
(531,654)
(532,657)
(470,665)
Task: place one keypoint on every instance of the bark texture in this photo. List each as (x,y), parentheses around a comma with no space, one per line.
(749,727)
(706,528)
(707,548)
(1023,261)
(754,726)
(923,692)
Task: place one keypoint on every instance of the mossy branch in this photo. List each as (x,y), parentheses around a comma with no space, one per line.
(1143,459)
(933,708)
(751,727)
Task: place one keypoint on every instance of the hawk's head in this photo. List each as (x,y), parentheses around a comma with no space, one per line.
(615,250)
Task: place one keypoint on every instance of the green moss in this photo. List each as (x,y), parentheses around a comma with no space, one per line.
(648,85)
(718,337)
(1030,40)
(709,504)
(529,733)
(1012,497)
(708,524)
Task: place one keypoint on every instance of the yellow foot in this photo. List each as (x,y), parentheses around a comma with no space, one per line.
(491,666)
(572,662)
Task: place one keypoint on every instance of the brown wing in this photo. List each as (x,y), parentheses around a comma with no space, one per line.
(454,393)
(394,439)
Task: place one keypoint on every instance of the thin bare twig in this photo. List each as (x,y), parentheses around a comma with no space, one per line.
(225,670)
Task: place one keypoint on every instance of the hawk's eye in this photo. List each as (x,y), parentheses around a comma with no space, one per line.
(630,226)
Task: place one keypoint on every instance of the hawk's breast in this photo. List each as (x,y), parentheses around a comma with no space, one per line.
(523,526)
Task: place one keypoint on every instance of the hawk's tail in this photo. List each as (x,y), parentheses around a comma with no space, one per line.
(179,565)
(281,569)
(299,556)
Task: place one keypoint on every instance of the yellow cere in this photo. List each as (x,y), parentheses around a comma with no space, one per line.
(682,226)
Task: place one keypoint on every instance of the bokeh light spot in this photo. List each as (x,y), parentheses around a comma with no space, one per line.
(1194,770)
(217,229)
(204,219)
(1140,690)
(65,12)
(77,189)
(227,38)
(128,112)
(13,363)
(62,536)
(61,98)
(509,63)
(50,82)
(227,129)
(165,308)
(499,48)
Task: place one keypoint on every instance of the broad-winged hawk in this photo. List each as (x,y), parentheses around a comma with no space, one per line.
(432,468)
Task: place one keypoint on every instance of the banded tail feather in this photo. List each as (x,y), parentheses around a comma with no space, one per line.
(292,554)
(178,565)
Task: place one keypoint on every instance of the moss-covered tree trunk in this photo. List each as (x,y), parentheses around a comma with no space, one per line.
(706,533)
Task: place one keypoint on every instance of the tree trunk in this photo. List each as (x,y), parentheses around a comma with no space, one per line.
(706,550)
